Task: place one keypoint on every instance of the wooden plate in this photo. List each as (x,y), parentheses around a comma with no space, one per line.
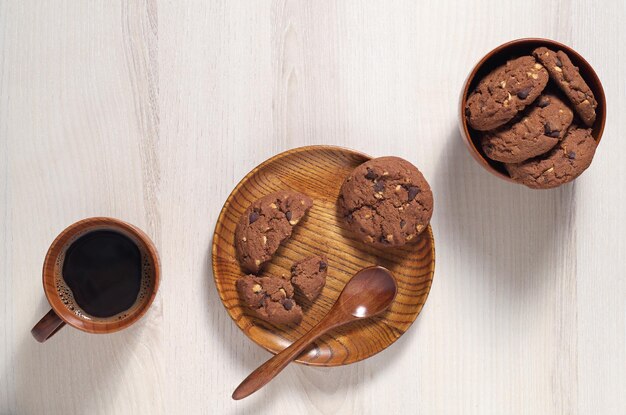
(319,172)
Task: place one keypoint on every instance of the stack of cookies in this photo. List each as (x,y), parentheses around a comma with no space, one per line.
(536,115)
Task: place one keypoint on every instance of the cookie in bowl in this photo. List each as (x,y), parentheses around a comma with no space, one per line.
(562,164)
(567,77)
(538,130)
(504,92)
(571,101)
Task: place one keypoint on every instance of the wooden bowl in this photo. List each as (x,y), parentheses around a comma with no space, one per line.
(499,56)
(319,172)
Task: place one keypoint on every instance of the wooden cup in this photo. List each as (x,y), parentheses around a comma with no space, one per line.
(60,314)
(499,56)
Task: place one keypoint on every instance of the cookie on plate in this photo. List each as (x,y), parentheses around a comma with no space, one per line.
(270,298)
(540,128)
(266,224)
(568,78)
(308,276)
(386,202)
(504,92)
(566,161)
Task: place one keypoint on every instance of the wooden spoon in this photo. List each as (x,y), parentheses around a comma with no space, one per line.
(367,294)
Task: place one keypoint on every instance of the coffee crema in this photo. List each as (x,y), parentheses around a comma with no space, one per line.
(102,274)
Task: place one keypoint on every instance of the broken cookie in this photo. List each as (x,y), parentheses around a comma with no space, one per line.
(266,224)
(270,298)
(308,276)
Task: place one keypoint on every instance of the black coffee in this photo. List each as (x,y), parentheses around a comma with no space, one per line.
(103,269)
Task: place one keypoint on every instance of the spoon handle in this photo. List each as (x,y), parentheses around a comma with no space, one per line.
(268,370)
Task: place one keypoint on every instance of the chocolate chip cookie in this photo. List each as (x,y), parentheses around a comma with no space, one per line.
(266,224)
(270,298)
(386,202)
(568,78)
(540,128)
(504,92)
(566,161)
(308,276)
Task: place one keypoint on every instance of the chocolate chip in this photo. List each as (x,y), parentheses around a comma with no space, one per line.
(554,134)
(571,155)
(288,304)
(543,102)
(265,299)
(547,128)
(413,191)
(379,187)
(288,215)
(523,94)
(402,223)
(370,174)
(467,112)
(323,265)
(383,240)
(254,215)
(559,63)
(350,217)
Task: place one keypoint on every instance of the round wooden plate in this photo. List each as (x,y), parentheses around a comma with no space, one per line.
(319,171)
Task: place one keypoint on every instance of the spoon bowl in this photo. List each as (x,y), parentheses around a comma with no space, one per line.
(369,293)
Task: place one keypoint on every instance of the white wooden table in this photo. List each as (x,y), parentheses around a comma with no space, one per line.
(151,111)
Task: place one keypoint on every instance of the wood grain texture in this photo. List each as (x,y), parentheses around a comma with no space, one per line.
(369,293)
(152,111)
(75,135)
(319,172)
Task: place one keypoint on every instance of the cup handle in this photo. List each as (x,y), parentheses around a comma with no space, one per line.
(47,326)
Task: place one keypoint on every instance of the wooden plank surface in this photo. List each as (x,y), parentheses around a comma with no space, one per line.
(151,111)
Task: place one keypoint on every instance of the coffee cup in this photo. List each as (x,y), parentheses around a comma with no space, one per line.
(100,275)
